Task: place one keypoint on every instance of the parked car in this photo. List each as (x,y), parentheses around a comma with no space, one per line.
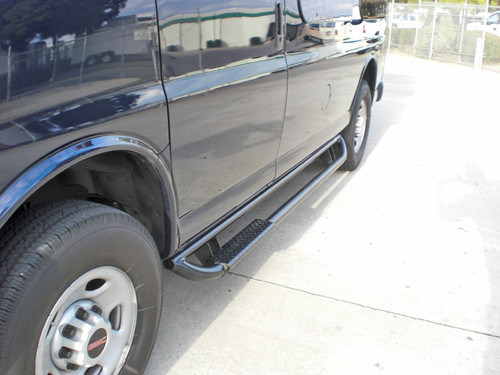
(406,21)
(492,24)
(200,111)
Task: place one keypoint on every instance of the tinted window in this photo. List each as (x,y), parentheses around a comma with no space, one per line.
(197,35)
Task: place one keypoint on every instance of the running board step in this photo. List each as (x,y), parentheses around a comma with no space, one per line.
(236,248)
(239,245)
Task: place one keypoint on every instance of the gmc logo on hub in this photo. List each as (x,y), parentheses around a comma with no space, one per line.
(97,343)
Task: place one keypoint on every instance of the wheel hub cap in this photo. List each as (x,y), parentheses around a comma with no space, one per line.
(91,327)
(81,338)
(360,128)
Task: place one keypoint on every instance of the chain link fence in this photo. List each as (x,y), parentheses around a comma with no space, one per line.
(44,64)
(458,33)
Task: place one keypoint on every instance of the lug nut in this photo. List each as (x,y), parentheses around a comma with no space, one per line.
(65,353)
(72,367)
(69,331)
(82,314)
(96,309)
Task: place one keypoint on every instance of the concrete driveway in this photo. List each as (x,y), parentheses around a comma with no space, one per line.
(392,269)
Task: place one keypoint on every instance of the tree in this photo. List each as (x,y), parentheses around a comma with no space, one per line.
(22,20)
(17,26)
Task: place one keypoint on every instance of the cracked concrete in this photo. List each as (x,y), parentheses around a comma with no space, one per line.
(369,307)
(391,269)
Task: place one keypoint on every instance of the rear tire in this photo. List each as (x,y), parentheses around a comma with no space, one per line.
(80,291)
(92,60)
(107,57)
(356,133)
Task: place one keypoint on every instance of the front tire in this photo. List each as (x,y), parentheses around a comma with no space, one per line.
(80,291)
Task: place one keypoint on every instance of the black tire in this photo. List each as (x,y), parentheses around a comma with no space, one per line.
(355,143)
(107,57)
(48,251)
(92,60)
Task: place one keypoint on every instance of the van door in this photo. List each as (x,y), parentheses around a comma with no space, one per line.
(325,57)
(225,78)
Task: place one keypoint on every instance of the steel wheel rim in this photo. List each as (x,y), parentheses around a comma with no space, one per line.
(360,127)
(90,329)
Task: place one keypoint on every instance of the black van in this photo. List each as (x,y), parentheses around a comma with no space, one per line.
(133,132)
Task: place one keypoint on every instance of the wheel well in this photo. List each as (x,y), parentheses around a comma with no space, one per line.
(124,180)
(370,76)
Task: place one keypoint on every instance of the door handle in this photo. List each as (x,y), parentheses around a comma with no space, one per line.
(280,26)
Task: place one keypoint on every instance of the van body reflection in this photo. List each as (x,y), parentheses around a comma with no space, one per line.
(85,67)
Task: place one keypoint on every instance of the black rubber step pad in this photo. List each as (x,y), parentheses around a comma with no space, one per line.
(240,242)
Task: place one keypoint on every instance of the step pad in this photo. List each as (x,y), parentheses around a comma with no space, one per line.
(243,240)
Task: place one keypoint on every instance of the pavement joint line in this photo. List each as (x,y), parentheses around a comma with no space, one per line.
(366,307)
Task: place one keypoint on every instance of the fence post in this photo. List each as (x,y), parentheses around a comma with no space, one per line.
(200,36)
(434,19)
(464,16)
(56,57)
(9,72)
(391,11)
(84,53)
(483,40)
(154,49)
(478,58)
(416,30)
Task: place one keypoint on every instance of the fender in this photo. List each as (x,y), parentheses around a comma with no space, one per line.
(38,174)
(371,60)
